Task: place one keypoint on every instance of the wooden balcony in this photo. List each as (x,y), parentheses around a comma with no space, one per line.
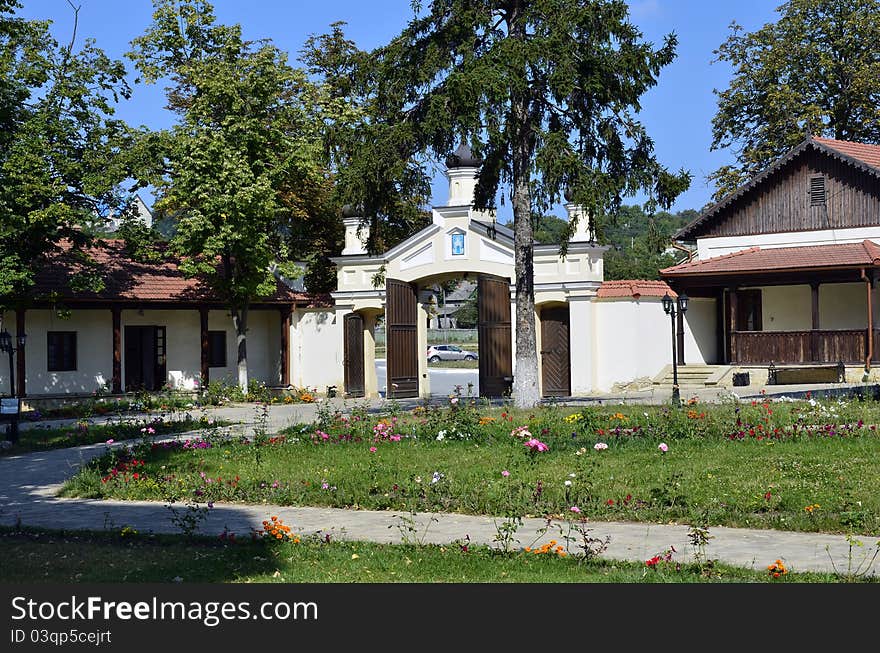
(809,346)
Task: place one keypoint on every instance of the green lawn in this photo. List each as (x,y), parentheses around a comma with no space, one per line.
(38,438)
(66,557)
(792,466)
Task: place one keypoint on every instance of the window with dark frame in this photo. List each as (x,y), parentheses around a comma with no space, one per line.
(817,190)
(748,310)
(216,348)
(61,351)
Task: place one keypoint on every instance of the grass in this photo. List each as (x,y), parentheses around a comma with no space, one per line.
(793,466)
(38,438)
(125,556)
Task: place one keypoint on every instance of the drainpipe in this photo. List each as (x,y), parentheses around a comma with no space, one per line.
(870,323)
(685,250)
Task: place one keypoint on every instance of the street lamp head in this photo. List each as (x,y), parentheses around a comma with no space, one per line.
(22,338)
(667,304)
(5,341)
(683,302)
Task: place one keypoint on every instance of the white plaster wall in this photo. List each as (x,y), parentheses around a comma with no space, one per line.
(634,339)
(700,331)
(843,306)
(787,308)
(182,343)
(709,247)
(94,355)
(580,316)
(263,347)
(317,349)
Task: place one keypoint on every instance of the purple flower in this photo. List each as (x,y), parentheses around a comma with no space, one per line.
(505,473)
(663,447)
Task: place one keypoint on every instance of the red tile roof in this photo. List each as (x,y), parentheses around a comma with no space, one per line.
(755,259)
(867,154)
(129,280)
(635,288)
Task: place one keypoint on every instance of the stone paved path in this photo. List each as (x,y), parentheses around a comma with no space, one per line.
(29,484)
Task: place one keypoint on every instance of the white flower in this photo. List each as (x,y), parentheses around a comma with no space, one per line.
(441,435)
(572,475)
(418,479)
(568,484)
(436,477)
(599,446)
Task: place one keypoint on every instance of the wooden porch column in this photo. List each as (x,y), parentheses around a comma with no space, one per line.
(285,346)
(814,336)
(116,312)
(203,330)
(733,357)
(679,333)
(21,390)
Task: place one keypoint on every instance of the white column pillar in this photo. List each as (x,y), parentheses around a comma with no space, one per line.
(423,313)
(581,344)
(371,382)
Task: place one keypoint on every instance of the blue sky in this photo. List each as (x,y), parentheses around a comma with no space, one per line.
(677,112)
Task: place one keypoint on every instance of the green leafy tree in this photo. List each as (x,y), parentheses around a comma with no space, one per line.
(242,162)
(62,153)
(546,92)
(814,71)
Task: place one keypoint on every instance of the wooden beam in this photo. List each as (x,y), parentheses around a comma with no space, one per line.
(116,312)
(285,346)
(814,337)
(731,320)
(20,371)
(203,329)
(679,328)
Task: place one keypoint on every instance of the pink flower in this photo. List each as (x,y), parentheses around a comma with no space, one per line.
(662,447)
(110,441)
(151,430)
(575,509)
(599,446)
(505,473)
(372,449)
(536,445)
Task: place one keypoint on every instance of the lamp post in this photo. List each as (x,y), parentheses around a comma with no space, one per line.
(672,308)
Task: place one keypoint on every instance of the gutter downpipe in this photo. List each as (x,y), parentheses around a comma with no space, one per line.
(870,347)
(685,250)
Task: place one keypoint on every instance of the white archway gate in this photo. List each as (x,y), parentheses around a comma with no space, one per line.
(464,242)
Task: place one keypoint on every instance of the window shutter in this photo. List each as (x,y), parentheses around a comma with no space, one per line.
(817,191)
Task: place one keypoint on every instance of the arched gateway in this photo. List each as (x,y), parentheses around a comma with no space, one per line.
(463,242)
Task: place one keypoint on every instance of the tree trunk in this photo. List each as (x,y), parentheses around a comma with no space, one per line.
(239,320)
(526,393)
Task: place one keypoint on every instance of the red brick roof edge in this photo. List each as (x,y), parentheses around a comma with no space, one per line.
(635,288)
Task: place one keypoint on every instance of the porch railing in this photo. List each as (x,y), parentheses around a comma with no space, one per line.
(808,346)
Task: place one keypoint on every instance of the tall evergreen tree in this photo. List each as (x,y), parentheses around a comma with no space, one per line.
(546,92)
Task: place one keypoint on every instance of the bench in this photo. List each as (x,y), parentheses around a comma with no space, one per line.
(797,374)
(10,411)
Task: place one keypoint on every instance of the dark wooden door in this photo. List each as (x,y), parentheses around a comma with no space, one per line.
(145,365)
(555,352)
(354,355)
(401,324)
(493,324)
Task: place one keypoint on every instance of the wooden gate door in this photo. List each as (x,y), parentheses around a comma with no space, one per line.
(354,355)
(493,323)
(401,324)
(555,356)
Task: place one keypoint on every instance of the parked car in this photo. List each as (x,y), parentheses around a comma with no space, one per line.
(438,353)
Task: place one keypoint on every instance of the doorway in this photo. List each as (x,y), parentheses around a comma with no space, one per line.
(144,358)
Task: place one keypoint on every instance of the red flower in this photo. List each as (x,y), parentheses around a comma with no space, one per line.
(610,502)
(652,562)
(767,495)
